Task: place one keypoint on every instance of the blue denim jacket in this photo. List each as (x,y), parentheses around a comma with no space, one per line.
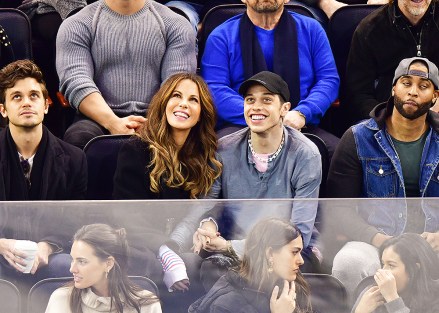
(382,173)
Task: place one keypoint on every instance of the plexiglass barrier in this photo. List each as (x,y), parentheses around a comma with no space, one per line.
(350,248)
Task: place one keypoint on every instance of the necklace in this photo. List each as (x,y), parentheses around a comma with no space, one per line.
(273,156)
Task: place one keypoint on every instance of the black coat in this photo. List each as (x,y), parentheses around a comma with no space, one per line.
(151,227)
(231,294)
(380,42)
(63,170)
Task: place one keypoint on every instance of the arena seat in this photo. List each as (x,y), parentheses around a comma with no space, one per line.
(341,28)
(327,293)
(101,153)
(40,293)
(10,299)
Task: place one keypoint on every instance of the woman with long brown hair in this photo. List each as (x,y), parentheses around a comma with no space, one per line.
(100,282)
(268,280)
(172,157)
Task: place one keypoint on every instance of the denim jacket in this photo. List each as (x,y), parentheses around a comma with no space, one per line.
(382,172)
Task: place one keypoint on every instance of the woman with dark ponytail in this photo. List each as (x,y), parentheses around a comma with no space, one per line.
(100,282)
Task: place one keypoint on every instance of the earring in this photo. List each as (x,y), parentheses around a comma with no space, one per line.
(106,275)
(270,266)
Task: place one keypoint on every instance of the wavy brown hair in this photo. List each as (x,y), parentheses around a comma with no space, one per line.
(108,242)
(18,70)
(271,233)
(194,166)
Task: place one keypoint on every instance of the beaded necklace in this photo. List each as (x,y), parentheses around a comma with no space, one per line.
(272,157)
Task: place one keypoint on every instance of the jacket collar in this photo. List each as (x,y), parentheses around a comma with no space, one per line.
(382,111)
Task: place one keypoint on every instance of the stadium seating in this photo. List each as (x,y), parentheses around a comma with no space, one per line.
(40,293)
(327,293)
(9,297)
(101,153)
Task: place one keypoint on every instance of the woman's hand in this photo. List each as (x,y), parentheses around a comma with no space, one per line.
(370,300)
(203,236)
(387,284)
(286,302)
(212,241)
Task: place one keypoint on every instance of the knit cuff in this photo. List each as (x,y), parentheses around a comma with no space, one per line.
(173,267)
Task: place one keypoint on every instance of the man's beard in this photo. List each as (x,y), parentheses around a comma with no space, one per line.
(266,7)
(422,108)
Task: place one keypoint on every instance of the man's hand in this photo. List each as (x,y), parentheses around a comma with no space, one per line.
(181,285)
(432,239)
(387,284)
(199,241)
(42,257)
(208,240)
(379,239)
(126,125)
(12,255)
(370,300)
(286,301)
(294,119)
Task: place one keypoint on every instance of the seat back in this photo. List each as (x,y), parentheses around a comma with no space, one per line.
(101,153)
(341,27)
(39,294)
(17,27)
(10,299)
(221,13)
(325,160)
(366,282)
(328,294)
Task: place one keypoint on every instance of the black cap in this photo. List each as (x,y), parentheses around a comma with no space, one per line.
(273,82)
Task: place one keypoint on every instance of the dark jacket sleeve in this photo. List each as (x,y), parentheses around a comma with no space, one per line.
(345,180)
(131,179)
(80,177)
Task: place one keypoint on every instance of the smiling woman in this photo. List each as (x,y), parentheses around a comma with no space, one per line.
(99,264)
(173,156)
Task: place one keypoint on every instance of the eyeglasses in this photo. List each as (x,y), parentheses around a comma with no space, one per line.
(26,170)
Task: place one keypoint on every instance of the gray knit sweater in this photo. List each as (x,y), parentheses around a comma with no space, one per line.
(125,58)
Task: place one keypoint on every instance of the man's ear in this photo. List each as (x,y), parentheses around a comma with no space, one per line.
(46,106)
(3,111)
(435,96)
(393,91)
(285,108)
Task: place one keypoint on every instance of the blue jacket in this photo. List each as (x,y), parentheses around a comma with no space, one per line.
(222,68)
(382,172)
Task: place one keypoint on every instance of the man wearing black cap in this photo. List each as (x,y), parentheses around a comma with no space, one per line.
(393,154)
(266,160)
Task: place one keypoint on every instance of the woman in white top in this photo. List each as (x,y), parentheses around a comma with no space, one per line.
(100,283)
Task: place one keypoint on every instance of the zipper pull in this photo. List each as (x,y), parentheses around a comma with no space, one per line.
(418,47)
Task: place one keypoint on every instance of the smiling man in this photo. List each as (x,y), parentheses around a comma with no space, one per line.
(393,154)
(266,160)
